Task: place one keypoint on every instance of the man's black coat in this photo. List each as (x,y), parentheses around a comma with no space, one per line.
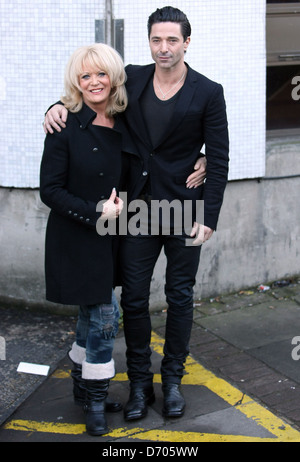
(199,118)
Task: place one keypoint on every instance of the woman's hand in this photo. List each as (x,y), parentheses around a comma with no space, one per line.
(197,178)
(112,207)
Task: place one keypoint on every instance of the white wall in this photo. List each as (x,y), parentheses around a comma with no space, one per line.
(37,38)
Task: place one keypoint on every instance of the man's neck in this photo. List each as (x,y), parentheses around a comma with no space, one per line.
(167,82)
(170,75)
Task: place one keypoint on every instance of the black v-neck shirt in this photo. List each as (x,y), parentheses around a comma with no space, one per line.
(157,113)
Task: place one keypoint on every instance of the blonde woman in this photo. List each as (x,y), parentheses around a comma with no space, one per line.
(81,166)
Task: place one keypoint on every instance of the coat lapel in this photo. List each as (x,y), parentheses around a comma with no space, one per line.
(136,116)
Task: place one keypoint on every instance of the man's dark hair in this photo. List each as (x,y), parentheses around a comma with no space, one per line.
(170,14)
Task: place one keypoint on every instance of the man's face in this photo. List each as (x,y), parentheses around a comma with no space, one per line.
(167,45)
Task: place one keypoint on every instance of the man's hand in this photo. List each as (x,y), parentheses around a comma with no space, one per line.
(197,178)
(55,118)
(112,207)
(201,232)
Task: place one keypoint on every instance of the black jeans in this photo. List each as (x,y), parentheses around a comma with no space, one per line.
(138,257)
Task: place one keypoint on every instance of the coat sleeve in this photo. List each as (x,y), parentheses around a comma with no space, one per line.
(54,192)
(216,149)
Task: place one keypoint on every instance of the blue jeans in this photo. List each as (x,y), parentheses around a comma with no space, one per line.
(97,327)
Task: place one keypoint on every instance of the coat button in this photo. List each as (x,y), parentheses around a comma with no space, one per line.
(145,173)
(95,149)
(101,174)
(87,220)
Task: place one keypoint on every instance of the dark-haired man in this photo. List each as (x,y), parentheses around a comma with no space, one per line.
(172,112)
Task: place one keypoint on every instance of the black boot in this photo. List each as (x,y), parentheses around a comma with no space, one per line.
(174,403)
(76,356)
(96,393)
(139,398)
(79,390)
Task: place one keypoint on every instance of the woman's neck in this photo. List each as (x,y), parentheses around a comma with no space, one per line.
(103,120)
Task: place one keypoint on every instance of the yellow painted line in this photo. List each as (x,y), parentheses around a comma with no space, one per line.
(195,375)
(194,437)
(45,427)
(61,374)
(62,428)
(134,433)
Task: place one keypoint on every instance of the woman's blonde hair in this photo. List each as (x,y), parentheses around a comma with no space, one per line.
(100,57)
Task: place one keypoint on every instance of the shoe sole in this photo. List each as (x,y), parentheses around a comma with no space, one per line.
(178,413)
(100,433)
(172,414)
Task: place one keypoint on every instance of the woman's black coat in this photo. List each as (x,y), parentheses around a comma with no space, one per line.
(79,168)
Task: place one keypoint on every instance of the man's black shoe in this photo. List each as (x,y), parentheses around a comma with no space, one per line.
(174,403)
(139,399)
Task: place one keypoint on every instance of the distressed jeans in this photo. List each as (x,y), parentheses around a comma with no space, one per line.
(97,327)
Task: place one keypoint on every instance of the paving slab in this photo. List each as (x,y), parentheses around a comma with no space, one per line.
(279,355)
(255,326)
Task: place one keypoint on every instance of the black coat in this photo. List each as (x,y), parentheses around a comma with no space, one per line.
(199,118)
(79,168)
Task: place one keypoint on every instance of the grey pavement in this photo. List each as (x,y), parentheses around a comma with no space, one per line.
(247,341)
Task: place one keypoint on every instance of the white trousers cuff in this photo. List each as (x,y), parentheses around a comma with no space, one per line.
(77,354)
(99,371)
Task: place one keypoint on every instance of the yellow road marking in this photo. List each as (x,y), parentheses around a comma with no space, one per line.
(134,433)
(45,427)
(195,375)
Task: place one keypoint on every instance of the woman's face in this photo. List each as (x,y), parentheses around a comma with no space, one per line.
(95,86)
